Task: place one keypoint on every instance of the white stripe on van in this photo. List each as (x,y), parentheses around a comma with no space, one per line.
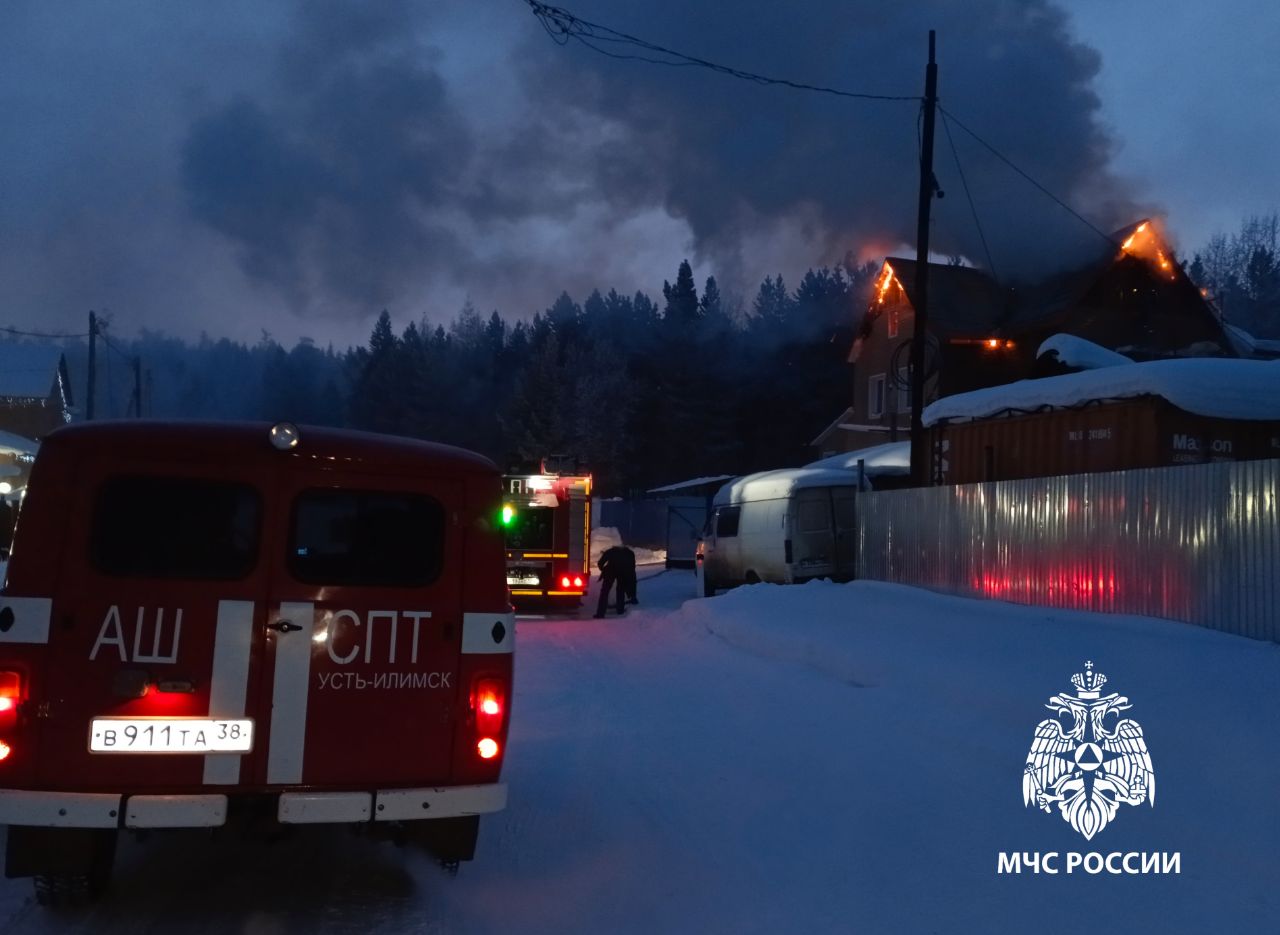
(290,689)
(489,633)
(229,683)
(24,619)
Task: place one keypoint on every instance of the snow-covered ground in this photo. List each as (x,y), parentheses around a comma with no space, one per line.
(821,758)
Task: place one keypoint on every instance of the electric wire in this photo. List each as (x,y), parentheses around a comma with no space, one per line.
(969,195)
(42,334)
(563,26)
(1009,162)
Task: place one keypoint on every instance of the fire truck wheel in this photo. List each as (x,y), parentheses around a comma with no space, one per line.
(708,589)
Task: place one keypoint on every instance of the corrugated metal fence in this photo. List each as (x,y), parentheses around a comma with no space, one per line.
(1197,543)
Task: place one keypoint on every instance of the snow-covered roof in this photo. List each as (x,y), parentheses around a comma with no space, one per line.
(11,443)
(687,484)
(28,371)
(1206,386)
(891,458)
(1246,344)
(1077,352)
(775,485)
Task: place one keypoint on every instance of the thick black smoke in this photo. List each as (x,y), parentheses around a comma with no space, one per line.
(393,151)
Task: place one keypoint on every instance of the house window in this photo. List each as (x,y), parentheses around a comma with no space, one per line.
(892,323)
(875,396)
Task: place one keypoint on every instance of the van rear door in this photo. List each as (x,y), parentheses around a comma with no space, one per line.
(155,628)
(844,506)
(364,631)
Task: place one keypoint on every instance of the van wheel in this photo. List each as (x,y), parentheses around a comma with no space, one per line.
(708,589)
(752,578)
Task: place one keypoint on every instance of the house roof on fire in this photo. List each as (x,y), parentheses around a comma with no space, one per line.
(963,301)
(968,302)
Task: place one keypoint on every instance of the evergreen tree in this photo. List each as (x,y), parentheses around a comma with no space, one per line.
(682,298)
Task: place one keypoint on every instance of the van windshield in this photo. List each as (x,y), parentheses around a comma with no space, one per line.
(531,528)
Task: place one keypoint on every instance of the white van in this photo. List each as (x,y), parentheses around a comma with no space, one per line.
(783,526)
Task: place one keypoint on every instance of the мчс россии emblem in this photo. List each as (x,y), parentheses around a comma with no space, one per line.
(1083,766)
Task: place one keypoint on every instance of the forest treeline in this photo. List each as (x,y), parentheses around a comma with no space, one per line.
(641,392)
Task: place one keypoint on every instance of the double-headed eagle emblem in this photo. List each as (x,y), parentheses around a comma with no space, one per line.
(1082,765)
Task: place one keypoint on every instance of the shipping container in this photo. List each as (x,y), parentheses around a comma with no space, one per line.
(1141,432)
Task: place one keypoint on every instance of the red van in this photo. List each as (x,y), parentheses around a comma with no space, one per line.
(207,621)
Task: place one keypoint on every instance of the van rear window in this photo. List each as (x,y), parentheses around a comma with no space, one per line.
(727,521)
(174,527)
(366,538)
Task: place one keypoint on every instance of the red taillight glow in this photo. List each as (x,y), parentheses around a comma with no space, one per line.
(487,748)
(10,694)
(577,582)
(564,581)
(490,706)
(5,750)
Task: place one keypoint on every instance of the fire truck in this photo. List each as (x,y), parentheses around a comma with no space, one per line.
(214,624)
(547,520)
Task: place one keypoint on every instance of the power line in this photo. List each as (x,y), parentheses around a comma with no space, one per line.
(562,26)
(947,115)
(42,334)
(946,125)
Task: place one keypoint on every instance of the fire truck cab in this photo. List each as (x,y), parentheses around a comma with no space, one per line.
(203,622)
(547,521)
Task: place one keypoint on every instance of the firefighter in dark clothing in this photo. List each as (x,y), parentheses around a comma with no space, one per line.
(613,573)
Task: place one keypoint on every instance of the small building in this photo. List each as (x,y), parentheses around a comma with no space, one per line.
(35,393)
(1132,298)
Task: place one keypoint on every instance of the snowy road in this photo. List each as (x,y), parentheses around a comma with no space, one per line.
(815,759)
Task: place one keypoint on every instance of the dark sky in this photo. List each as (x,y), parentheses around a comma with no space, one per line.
(215,167)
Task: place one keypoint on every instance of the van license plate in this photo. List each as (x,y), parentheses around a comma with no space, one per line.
(170,735)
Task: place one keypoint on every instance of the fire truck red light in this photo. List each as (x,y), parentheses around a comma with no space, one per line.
(6,704)
(564,582)
(487,748)
(577,582)
(490,706)
(5,750)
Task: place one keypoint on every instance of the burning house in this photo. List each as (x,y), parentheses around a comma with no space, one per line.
(1132,298)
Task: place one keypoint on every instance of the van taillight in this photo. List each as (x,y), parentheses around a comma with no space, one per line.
(489,707)
(10,695)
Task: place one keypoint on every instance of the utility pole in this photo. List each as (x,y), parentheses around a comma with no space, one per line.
(920,328)
(93,351)
(137,387)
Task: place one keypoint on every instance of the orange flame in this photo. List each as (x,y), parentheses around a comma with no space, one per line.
(1146,244)
(887,278)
